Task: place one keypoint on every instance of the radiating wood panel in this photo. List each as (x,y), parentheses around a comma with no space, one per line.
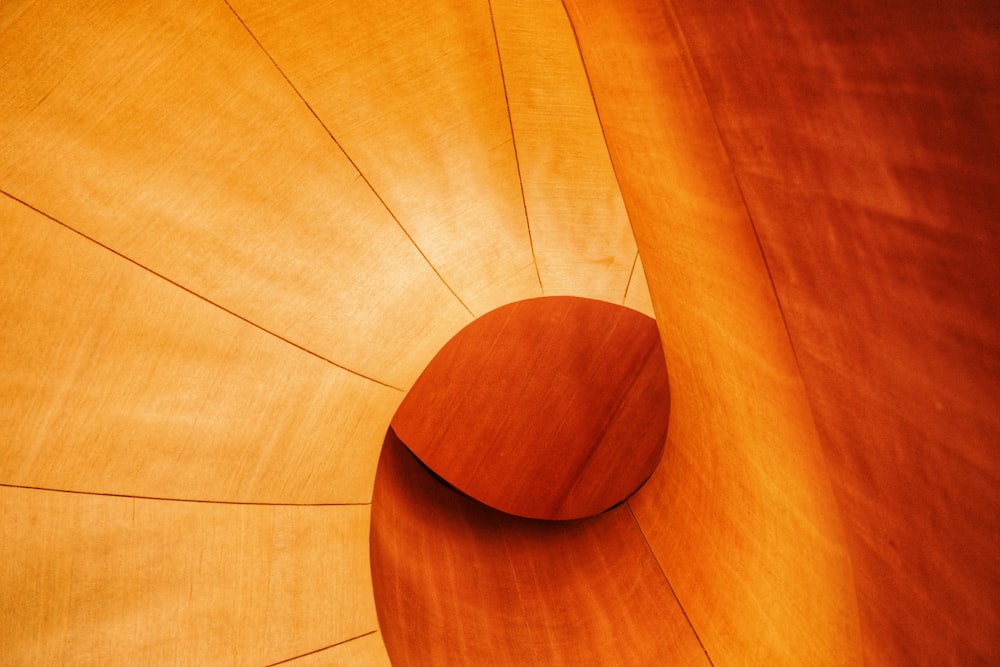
(550,408)
(457,583)
(579,227)
(90,580)
(865,141)
(740,513)
(113,380)
(163,130)
(413,93)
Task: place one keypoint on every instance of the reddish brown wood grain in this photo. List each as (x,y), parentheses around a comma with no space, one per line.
(856,145)
(551,408)
(740,513)
(864,138)
(457,583)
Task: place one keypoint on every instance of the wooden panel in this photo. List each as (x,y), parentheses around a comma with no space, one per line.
(579,228)
(457,583)
(162,130)
(90,580)
(413,93)
(551,408)
(740,513)
(113,380)
(865,140)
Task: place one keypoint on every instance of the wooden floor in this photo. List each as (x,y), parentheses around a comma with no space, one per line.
(233,233)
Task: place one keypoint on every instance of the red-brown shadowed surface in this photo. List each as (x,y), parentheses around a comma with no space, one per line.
(865,140)
(550,408)
(833,168)
(458,583)
(740,513)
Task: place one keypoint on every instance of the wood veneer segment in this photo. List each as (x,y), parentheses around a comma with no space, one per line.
(413,93)
(864,137)
(580,231)
(113,380)
(162,130)
(550,408)
(457,583)
(740,513)
(99,581)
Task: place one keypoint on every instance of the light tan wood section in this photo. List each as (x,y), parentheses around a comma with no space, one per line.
(91,580)
(579,227)
(413,93)
(114,380)
(163,130)
(740,513)
(460,584)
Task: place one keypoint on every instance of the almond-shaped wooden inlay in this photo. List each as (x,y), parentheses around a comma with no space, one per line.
(550,408)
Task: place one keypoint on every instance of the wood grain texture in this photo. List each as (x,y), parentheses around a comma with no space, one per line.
(162,130)
(864,138)
(114,380)
(550,408)
(91,580)
(579,228)
(413,92)
(740,513)
(858,141)
(457,583)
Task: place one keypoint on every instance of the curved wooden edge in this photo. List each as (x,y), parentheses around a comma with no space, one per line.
(459,583)
(550,408)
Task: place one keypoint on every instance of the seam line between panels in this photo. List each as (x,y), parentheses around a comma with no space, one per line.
(628,285)
(177,500)
(739,186)
(659,566)
(350,160)
(513,141)
(196,295)
(320,650)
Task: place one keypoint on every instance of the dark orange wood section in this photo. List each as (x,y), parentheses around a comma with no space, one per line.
(550,408)
(839,159)
(865,140)
(458,583)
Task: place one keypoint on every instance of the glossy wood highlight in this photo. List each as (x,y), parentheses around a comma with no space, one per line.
(413,93)
(162,130)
